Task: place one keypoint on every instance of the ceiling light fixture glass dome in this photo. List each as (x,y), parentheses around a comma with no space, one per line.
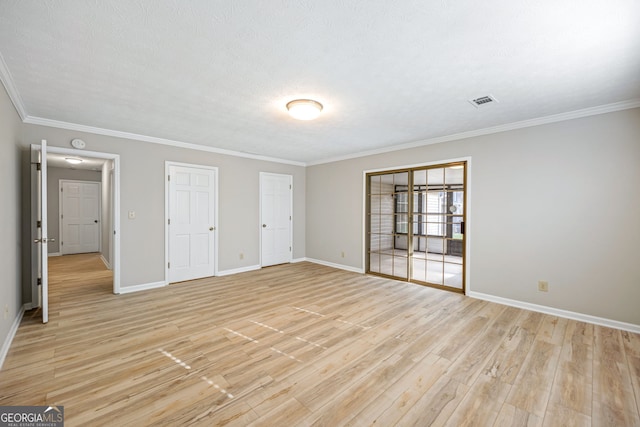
(304,109)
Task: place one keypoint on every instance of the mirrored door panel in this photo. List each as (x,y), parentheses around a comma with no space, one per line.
(416,225)
(388,222)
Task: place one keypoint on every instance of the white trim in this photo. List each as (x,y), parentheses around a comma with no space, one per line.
(116,203)
(12,90)
(152,139)
(105,262)
(295,260)
(141,287)
(467,209)
(585,112)
(167,165)
(239,270)
(334,265)
(12,333)
(601,321)
(55,254)
(14,95)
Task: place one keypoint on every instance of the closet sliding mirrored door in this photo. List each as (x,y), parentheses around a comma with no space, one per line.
(416,225)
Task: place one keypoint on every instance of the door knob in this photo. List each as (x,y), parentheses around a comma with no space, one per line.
(95,220)
(211,228)
(264,225)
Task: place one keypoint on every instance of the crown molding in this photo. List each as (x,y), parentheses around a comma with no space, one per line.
(14,95)
(12,91)
(152,139)
(586,112)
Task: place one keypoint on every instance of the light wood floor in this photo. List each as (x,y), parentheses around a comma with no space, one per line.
(304,344)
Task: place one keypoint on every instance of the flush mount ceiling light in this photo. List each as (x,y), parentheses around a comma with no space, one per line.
(73,160)
(304,109)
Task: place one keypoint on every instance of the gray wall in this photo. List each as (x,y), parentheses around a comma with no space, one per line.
(142,183)
(556,202)
(54,175)
(10,221)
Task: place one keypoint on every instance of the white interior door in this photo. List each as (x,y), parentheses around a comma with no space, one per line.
(191,222)
(79,216)
(39,264)
(276,203)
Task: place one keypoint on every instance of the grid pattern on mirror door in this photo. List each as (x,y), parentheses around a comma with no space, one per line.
(438,216)
(416,225)
(388,218)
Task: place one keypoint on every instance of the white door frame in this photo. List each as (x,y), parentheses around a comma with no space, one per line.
(60,206)
(115,206)
(167,165)
(262,174)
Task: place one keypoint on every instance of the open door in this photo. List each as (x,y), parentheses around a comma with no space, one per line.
(39,263)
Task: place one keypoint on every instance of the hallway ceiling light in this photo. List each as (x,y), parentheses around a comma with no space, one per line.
(73,160)
(304,109)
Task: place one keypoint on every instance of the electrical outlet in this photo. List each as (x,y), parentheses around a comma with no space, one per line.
(132,214)
(543,286)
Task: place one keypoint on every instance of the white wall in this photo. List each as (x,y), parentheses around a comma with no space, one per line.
(142,181)
(10,222)
(557,202)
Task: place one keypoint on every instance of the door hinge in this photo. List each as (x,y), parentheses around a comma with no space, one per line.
(61,216)
(61,243)
(289,248)
(169,221)
(38,166)
(289,217)
(290,187)
(39,281)
(168,265)
(39,224)
(168,177)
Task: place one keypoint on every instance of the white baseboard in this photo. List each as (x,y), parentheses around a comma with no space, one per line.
(141,287)
(12,333)
(295,260)
(105,262)
(239,270)
(601,321)
(55,254)
(334,265)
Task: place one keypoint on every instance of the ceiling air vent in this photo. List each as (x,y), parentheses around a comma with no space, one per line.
(483,100)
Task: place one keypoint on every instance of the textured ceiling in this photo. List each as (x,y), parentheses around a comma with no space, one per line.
(219,73)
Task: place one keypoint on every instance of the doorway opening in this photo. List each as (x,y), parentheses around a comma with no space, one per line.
(45,223)
(416,225)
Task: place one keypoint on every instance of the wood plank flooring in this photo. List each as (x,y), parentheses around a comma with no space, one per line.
(308,345)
